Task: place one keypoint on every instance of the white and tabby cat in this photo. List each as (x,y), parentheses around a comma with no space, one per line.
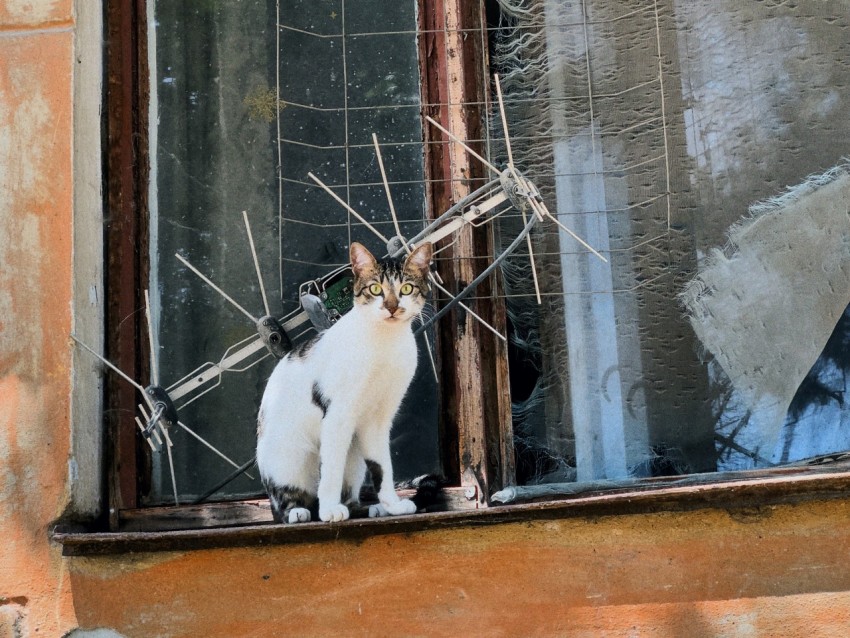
(328,406)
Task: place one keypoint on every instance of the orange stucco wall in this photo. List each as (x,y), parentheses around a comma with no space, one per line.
(780,571)
(772,572)
(36,44)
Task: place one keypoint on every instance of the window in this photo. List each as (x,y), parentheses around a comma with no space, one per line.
(235,128)
(649,128)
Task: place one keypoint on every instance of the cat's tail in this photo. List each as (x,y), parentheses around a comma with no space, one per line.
(427,492)
(430,492)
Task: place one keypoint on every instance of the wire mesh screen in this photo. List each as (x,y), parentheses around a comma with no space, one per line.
(347,70)
(586,102)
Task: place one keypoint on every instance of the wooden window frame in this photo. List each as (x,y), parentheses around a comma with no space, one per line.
(475,432)
(476,438)
(126,170)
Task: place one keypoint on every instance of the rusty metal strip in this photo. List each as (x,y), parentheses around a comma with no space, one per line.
(126,175)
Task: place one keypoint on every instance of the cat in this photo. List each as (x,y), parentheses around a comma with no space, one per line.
(328,406)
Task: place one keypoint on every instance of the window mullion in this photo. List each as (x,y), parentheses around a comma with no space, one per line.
(475,398)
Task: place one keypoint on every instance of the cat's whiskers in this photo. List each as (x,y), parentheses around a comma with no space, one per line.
(422,316)
(426,312)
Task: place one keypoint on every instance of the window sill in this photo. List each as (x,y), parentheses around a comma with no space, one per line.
(249,523)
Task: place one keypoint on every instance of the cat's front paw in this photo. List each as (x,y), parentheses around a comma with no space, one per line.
(299,515)
(377,511)
(333,513)
(400,507)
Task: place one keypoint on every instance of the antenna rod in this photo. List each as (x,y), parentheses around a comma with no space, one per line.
(456,139)
(539,208)
(348,208)
(170,461)
(113,367)
(568,231)
(389,195)
(210,446)
(517,180)
(407,248)
(154,362)
(207,281)
(504,121)
(470,311)
(256,262)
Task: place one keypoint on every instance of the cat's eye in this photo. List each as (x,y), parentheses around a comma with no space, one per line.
(406,289)
(376,289)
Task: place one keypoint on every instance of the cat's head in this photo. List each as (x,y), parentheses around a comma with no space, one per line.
(391,290)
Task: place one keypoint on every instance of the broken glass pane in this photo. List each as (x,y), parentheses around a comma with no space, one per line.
(654,131)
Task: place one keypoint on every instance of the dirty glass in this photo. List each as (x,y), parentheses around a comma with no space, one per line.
(247,98)
(699,146)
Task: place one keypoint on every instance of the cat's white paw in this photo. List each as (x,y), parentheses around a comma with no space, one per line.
(403,506)
(377,511)
(299,515)
(333,513)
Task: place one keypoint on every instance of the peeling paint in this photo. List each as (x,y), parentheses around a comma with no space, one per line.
(34,12)
(19,285)
(113,567)
(93,633)
(22,173)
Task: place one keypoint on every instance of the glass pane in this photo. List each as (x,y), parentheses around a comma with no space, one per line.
(714,338)
(247,98)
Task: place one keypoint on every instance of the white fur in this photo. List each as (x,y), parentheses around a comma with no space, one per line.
(299,515)
(363,365)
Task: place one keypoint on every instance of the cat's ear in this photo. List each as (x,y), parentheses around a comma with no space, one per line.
(419,261)
(362,260)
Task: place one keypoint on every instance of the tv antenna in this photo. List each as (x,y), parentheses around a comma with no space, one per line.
(325,299)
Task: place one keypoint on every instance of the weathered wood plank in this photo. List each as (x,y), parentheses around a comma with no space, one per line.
(249,512)
(475,396)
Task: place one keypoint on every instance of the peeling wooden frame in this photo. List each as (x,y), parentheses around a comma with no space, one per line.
(475,411)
